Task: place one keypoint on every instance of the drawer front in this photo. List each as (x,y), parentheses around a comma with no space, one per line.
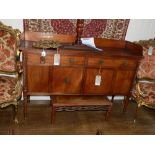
(66,60)
(127,64)
(109,62)
(35,58)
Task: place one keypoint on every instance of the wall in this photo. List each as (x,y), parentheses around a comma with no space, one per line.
(15,23)
(138,29)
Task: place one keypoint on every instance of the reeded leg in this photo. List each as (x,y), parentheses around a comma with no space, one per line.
(15,113)
(126,102)
(108,113)
(100,132)
(135,115)
(53,114)
(51,100)
(112,99)
(25,106)
(28,98)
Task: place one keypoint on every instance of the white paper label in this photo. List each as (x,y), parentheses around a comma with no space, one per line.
(43,53)
(150,50)
(56,59)
(98,80)
(90,42)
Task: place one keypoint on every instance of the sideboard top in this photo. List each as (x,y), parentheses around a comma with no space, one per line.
(109,48)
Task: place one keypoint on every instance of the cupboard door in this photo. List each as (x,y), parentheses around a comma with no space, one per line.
(123,82)
(66,80)
(37,79)
(105,84)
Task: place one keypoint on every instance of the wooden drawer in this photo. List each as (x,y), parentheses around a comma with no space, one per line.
(109,62)
(67,60)
(35,58)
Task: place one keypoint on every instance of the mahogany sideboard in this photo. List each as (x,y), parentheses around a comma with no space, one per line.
(79,65)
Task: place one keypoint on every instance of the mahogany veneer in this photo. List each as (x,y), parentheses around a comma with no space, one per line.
(117,64)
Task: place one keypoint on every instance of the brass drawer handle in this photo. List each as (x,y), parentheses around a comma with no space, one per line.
(42,57)
(66,80)
(101,62)
(42,60)
(124,64)
(71,60)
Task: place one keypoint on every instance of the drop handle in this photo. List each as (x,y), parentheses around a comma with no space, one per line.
(71,60)
(125,64)
(101,62)
(43,57)
(66,80)
(42,60)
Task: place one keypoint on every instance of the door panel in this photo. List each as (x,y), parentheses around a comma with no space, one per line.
(66,80)
(106,81)
(38,78)
(123,82)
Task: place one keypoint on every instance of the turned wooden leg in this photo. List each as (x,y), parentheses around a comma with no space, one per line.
(112,99)
(126,102)
(25,106)
(136,112)
(100,132)
(53,114)
(28,98)
(108,113)
(51,100)
(15,113)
